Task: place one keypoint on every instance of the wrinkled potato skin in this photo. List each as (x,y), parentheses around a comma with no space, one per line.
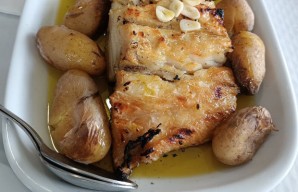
(237,140)
(78,120)
(248,61)
(67,49)
(238,16)
(87,16)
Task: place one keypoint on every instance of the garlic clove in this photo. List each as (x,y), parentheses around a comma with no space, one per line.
(177,7)
(189,25)
(190,12)
(163,14)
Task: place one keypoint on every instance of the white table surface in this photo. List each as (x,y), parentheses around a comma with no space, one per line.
(284,18)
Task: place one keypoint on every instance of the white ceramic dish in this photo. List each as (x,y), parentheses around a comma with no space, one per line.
(26,95)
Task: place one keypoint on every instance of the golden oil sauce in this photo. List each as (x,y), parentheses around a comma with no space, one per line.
(187,162)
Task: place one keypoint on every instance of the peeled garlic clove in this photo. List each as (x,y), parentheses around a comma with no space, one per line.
(193,2)
(164,14)
(177,7)
(190,12)
(189,25)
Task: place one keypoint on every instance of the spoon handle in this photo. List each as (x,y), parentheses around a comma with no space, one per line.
(27,128)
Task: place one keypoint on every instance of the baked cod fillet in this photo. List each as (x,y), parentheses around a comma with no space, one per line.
(138,41)
(152,116)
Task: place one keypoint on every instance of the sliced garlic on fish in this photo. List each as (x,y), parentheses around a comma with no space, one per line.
(193,2)
(164,14)
(189,25)
(190,12)
(177,7)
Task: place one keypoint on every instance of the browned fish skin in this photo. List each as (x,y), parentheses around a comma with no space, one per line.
(152,116)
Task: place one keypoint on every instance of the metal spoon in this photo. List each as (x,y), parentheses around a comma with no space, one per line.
(86,176)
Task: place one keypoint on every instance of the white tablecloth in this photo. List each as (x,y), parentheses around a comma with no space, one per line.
(284,16)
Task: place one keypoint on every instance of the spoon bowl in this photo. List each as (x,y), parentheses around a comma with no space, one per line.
(86,176)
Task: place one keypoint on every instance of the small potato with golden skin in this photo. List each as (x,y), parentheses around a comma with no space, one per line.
(67,49)
(238,16)
(87,16)
(248,61)
(78,119)
(237,139)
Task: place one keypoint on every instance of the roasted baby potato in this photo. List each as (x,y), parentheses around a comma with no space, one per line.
(248,61)
(237,139)
(87,16)
(78,120)
(67,49)
(238,16)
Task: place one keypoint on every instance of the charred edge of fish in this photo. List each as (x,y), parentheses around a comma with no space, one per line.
(120,173)
(182,134)
(95,94)
(140,141)
(148,136)
(147,152)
